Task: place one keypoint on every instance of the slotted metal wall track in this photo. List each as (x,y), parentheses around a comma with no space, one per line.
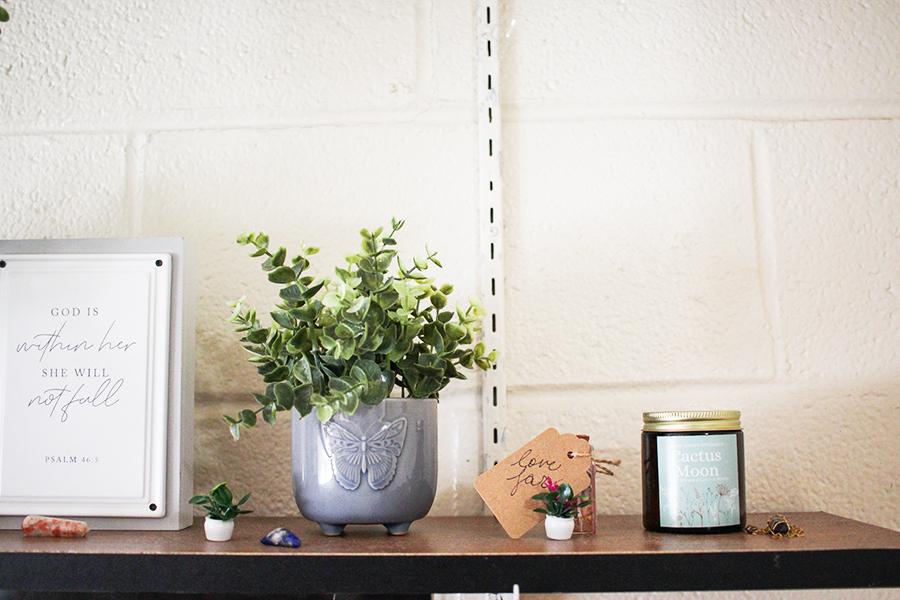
(491,215)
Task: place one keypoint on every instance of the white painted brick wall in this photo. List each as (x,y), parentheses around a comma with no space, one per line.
(791,55)
(702,198)
(63,185)
(645,231)
(120,63)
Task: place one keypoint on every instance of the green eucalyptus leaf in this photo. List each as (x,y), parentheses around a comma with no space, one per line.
(388,298)
(300,343)
(284,395)
(438,300)
(302,371)
(279,256)
(344,331)
(291,292)
(258,336)
(283,319)
(324,413)
(358,374)
(371,369)
(248,417)
(279,374)
(326,318)
(303,392)
(360,307)
(268,413)
(282,275)
(318,381)
(307,312)
(313,290)
(455,332)
(302,399)
(340,384)
(349,403)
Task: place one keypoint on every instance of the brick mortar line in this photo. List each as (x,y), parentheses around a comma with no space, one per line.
(134,180)
(642,385)
(767,247)
(464,114)
(774,111)
(427,117)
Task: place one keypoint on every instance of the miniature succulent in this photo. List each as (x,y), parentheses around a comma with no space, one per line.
(219,503)
(559,500)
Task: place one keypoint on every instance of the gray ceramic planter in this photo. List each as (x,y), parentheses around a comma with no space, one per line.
(378,466)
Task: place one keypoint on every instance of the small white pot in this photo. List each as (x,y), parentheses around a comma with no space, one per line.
(218,531)
(558,528)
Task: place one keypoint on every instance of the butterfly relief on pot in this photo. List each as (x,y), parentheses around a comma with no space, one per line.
(354,452)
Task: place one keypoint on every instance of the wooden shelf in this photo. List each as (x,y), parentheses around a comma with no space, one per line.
(455,554)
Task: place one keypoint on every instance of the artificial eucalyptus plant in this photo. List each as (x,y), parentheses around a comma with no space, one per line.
(335,343)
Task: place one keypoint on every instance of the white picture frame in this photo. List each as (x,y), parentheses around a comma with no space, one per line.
(96,389)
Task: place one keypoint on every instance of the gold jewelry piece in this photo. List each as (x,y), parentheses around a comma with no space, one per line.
(777,527)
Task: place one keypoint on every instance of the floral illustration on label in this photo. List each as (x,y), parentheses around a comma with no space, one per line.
(698,481)
(372,452)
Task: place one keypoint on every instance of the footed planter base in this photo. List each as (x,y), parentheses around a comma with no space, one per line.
(332,530)
(377,467)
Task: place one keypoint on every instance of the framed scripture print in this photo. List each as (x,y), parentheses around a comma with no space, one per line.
(95,397)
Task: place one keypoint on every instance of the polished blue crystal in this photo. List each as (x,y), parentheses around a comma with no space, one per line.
(281,536)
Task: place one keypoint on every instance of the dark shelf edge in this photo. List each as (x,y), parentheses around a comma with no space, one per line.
(449,574)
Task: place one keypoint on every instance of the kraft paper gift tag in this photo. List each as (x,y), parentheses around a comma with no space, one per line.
(507,488)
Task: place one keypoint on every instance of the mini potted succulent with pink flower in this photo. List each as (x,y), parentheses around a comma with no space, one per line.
(560,506)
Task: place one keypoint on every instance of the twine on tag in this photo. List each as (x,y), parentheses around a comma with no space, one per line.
(599,463)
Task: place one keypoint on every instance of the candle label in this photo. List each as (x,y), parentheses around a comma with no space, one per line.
(698,480)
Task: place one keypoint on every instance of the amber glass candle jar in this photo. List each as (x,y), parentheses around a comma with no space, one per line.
(693,465)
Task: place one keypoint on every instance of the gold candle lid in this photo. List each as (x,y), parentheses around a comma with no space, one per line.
(692,420)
